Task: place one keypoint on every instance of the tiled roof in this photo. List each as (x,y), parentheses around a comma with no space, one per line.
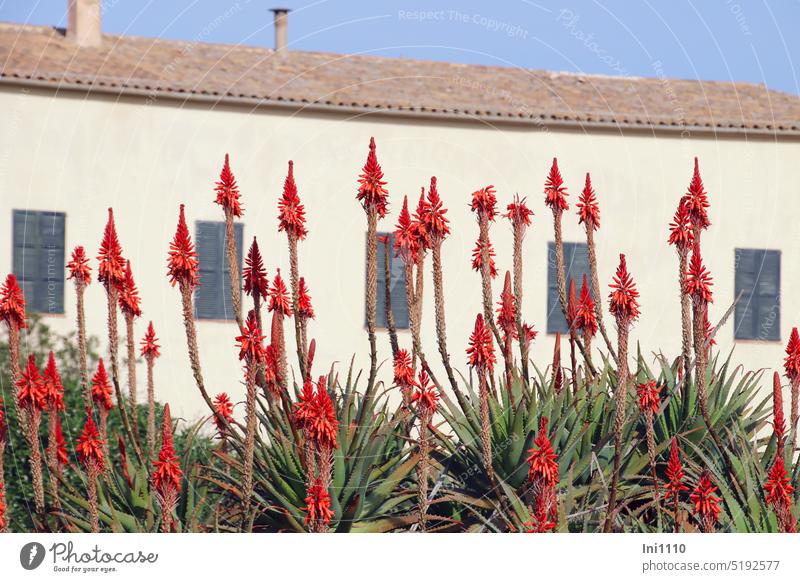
(42,55)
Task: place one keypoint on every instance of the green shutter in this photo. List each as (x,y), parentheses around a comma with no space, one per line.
(576,263)
(758,279)
(212,297)
(38,258)
(397,289)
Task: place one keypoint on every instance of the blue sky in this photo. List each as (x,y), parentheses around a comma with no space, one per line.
(741,40)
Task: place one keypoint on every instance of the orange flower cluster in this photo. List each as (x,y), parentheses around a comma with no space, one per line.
(291,214)
(227,190)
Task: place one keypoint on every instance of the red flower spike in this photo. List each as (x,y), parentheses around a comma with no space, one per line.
(518,212)
(433,218)
(543,460)
(150,347)
(586,316)
(779,489)
(53,389)
(224,408)
(111,268)
(648,394)
(675,474)
(623,299)
(588,209)
(129,301)
(706,504)
(167,472)
(227,190)
(291,213)
(271,369)
(251,342)
(79,266)
(12,303)
(540,522)
(696,200)
(529,333)
(792,361)
(555,194)
(698,280)
(90,446)
(30,388)
(425,395)
(481,350)
(182,262)
(371,186)
(418,223)
(101,388)
(406,238)
(62,457)
(506,311)
(304,308)
(484,203)
(318,504)
(254,273)
(322,425)
(279,297)
(403,372)
(572,305)
(778,418)
(477,258)
(304,407)
(680,229)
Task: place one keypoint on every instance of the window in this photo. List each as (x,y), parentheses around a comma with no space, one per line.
(212,298)
(38,260)
(576,263)
(397,289)
(758,278)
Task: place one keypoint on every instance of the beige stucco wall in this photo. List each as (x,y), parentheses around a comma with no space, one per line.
(80,155)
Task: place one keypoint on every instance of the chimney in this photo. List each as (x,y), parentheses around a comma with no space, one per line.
(281,29)
(83,24)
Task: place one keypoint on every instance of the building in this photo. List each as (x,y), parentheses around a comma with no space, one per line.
(91,121)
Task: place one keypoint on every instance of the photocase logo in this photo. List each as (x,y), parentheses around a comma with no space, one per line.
(31,555)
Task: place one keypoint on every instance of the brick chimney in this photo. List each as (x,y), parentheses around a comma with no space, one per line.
(281,29)
(83,22)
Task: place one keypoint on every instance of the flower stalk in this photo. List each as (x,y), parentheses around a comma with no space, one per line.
(624,306)
(482,360)
(519,215)
(228,197)
(80,272)
(150,351)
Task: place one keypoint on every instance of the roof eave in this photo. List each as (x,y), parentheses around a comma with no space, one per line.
(542,121)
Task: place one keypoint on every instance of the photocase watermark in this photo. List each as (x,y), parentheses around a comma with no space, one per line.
(66,559)
(678,112)
(31,555)
(738,14)
(473,18)
(519,106)
(569,20)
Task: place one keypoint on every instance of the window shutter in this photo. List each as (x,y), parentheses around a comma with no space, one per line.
(757,278)
(213,296)
(38,258)
(576,263)
(398,287)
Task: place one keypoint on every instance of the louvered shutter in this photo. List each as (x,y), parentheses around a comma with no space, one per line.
(757,278)
(38,258)
(213,295)
(576,263)
(397,289)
